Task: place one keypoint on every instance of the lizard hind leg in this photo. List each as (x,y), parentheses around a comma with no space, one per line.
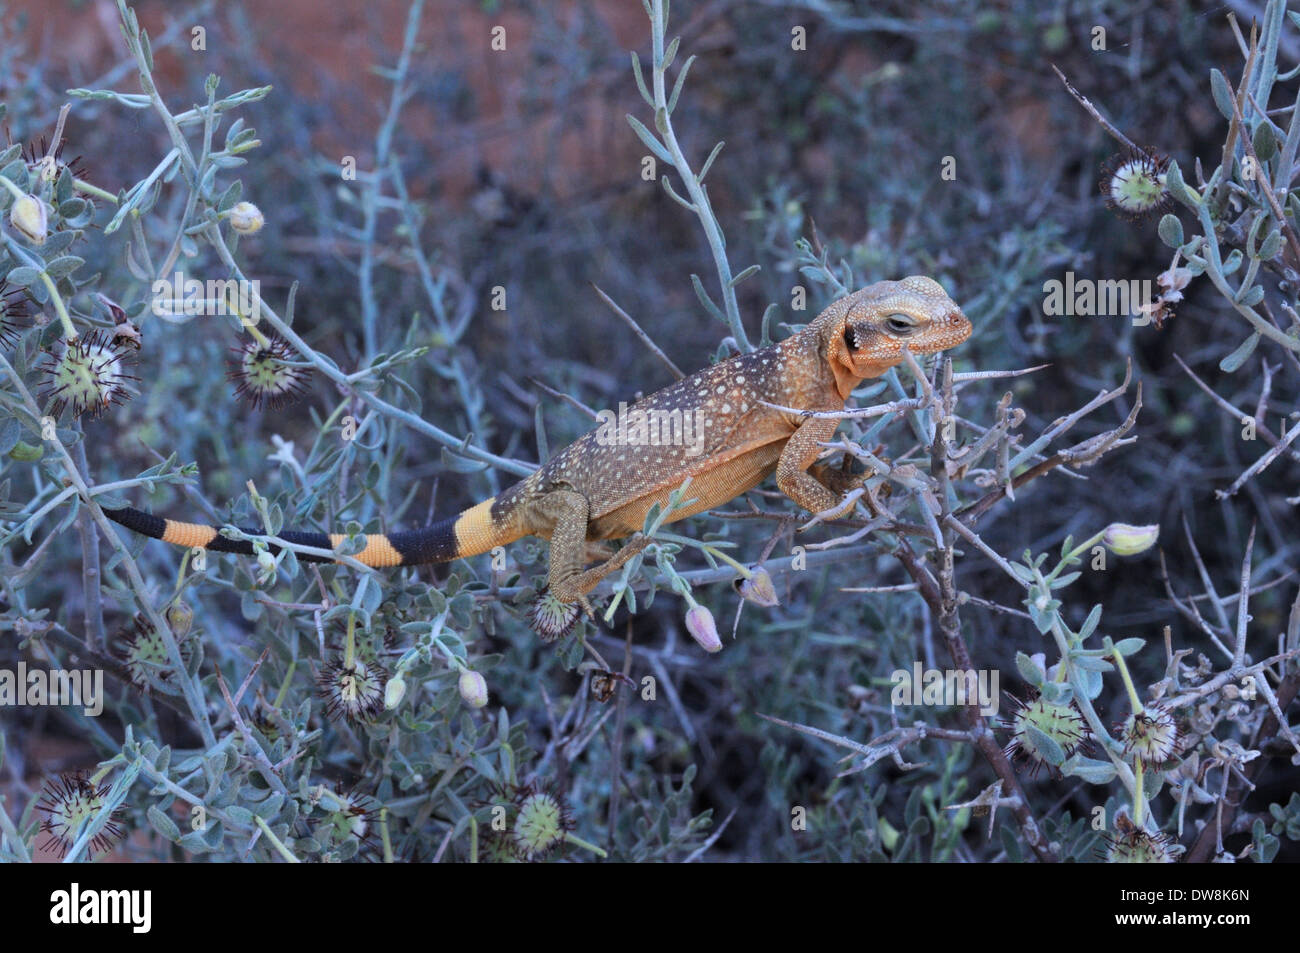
(568,583)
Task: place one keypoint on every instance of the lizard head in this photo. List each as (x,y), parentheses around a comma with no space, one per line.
(864,334)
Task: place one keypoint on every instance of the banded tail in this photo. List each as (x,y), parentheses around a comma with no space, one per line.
(476,530)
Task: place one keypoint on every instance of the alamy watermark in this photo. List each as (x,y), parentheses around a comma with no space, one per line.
(1105,298)
(83,688)
(631,427)
(133,908)
(179,296)
(947,687)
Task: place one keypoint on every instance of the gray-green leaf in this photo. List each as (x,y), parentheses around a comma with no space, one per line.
(1222,95)
(1239,356)
(1171,231)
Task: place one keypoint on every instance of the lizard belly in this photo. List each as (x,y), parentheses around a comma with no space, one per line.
(710,488)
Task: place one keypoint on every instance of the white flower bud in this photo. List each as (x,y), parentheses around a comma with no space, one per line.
(1125,540)
(246,218)
(394,692)
(473,689)
(29,217)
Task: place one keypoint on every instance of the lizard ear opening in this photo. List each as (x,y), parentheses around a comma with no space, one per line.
(846,349)
(851,338)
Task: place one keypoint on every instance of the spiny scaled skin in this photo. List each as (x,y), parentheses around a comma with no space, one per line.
(598,489)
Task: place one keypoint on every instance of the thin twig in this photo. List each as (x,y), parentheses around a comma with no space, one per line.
(641,335)
(1096,114)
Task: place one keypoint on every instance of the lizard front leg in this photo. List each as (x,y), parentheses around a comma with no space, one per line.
(793,478)
(567,584)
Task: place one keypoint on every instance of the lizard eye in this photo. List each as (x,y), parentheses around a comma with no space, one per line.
(899,324)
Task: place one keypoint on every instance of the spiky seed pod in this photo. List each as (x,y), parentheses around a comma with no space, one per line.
(13,312)
(263,375)
(88,376)
(1134,183)
(541,822)
(356,692)
(552,619)
(1039,729)
(352,817)
(68,802)
(35,154)
(1152,735)
(1139,847)
(145,655)
(528,822)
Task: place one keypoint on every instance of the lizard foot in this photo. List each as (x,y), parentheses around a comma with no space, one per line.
(552,619)
(843,508)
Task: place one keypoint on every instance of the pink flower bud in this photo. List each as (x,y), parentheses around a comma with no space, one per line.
(700,624)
